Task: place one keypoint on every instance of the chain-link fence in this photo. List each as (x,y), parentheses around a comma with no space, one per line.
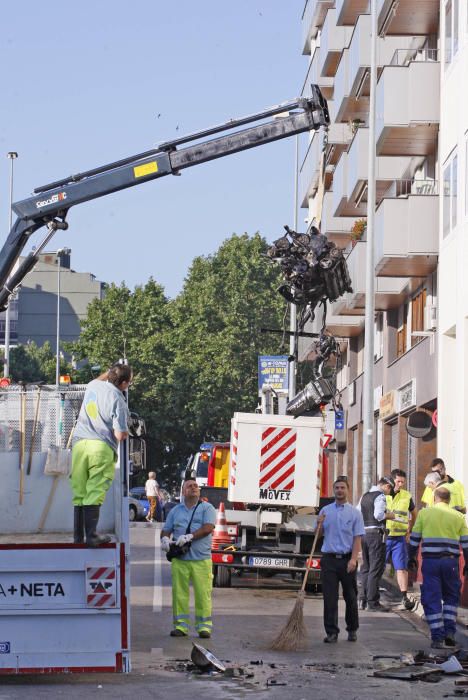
(41,416)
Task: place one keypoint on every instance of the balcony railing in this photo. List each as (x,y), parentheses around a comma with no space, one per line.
(404,188)
(403,57)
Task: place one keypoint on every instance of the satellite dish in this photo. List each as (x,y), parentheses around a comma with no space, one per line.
(419,424)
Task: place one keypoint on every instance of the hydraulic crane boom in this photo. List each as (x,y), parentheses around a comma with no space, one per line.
(49,204)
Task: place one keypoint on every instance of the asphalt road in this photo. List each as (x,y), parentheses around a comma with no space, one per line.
(247,618)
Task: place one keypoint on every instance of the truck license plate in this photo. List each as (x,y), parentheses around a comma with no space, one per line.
(268,562)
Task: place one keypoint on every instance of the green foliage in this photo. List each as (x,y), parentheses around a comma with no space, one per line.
(194,358)
(135,325)
(226,300)
(30,363)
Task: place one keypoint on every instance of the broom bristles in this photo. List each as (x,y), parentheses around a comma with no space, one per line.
(294,632)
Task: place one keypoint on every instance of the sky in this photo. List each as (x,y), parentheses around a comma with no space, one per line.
(87,83)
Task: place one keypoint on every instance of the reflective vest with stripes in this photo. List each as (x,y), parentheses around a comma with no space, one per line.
(440,530)
(457,494)
(398,504)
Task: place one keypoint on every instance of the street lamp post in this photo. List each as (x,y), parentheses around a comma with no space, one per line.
(60,252)
(368,380)
(11,155)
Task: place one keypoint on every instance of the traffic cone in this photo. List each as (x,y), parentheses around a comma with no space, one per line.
(220,533)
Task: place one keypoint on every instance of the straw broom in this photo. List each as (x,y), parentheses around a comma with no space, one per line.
(294,632)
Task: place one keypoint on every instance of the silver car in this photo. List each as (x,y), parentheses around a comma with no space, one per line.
(137,509)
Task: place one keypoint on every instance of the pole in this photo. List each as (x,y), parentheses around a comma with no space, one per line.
(368,382)
(292,307)
(12,155)
(57,350)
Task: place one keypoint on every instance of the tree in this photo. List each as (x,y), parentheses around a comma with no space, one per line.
(135,325)
(216,339)
(30,363)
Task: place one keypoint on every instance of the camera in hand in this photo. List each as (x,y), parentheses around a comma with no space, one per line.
(177,550)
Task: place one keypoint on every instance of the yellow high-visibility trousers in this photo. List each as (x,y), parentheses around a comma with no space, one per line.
(93,468)
(200,574)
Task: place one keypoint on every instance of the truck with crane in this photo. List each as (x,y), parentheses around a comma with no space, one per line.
(65,607)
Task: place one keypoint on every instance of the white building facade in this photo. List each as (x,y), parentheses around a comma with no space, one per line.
(453,239)
(336,38)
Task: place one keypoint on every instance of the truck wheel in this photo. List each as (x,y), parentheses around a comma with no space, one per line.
(132,513)
(223,577)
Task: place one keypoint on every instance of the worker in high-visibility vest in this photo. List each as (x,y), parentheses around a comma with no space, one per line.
(456,488)
(441,531)
(401,504)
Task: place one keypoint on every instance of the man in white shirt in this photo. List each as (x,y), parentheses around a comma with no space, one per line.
(152,493)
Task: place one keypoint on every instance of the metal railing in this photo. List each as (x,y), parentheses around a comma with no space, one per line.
(404,188)
(403,57)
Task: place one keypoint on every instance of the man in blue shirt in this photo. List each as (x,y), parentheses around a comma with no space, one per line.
(194,566)
(343,528)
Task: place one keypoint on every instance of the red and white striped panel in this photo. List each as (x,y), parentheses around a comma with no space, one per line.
(101,586)
(278,458)
(234,457)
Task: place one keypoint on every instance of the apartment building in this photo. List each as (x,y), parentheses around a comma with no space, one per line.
(336,38)
(452,326)
(33,313)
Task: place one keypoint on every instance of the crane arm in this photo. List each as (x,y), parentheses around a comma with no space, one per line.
(49,205)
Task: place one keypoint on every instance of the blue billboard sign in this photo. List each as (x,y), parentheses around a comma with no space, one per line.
(273,370)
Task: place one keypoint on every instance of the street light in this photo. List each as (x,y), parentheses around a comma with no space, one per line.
(11,155)
(60,252)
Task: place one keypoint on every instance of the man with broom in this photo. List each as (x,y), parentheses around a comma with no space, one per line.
(343,527)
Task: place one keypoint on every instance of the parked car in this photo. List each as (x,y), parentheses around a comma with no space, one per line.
(138,508)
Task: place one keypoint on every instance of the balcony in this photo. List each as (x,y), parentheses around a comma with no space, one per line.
(339,137)
(407,229)
(360,51)
(389,291)
(313,76)
(342,206)
(312,19)
(407,17)
(309,170)
(348,11)
(408,109)
(358,164)
(342,326)
(336,228)
(348,108)
(333,40)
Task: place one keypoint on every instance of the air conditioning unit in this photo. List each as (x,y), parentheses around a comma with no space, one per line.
(430,317)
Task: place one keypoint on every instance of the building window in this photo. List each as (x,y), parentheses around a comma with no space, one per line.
(360,355)
(451,30)
(402,330)
(466,171)
(378,337)
(418,306)
(450,198)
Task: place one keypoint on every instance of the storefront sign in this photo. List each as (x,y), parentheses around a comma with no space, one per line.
(388,405)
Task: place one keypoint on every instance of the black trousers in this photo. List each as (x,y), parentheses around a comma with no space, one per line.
(373,565)
(333,573)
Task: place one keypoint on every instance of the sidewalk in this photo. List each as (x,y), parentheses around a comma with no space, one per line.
(417,617)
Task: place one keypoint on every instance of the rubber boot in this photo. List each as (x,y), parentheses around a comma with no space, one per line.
(91,517)
(78,528)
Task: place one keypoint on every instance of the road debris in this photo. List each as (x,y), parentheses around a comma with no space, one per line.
(411,673)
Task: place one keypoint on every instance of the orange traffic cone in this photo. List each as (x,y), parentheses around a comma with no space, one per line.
(220,533)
